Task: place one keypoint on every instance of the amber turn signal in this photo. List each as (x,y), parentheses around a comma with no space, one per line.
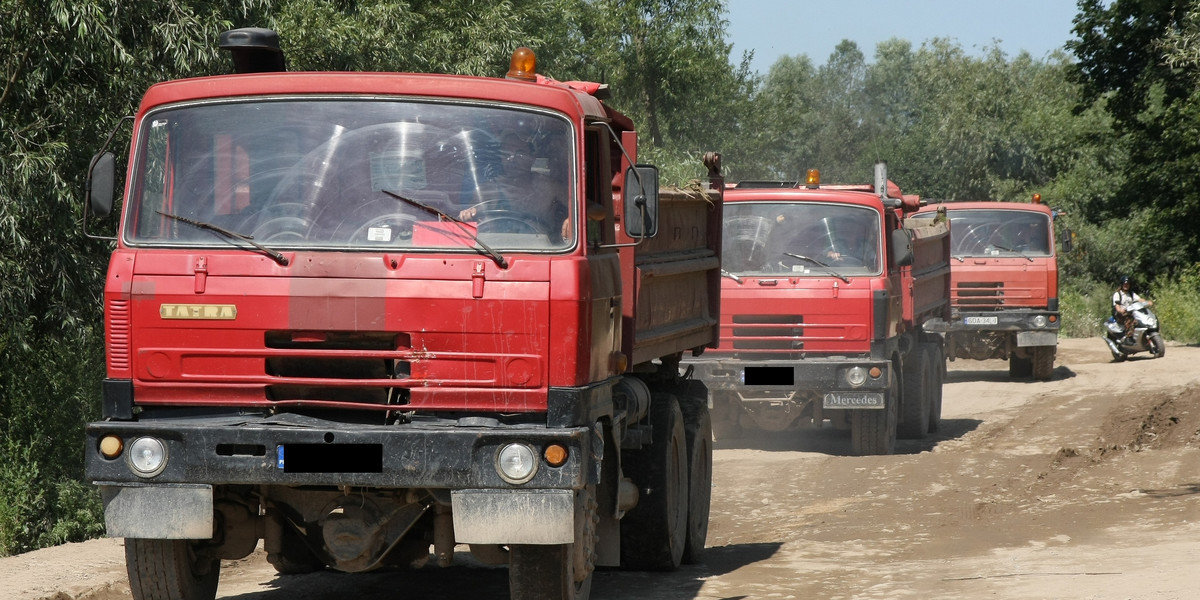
(556,455)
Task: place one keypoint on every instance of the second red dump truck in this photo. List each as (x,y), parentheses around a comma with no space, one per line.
(826,292)
(1004,284)
(360,315)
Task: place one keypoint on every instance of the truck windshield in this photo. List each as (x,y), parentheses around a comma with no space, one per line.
(769,238)
(998,232)
(324,173)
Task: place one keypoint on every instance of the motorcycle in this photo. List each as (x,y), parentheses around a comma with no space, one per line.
(1146,337)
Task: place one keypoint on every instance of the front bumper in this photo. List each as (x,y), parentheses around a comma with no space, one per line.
(757,380)
(287,450)
(291,450)
(1034,321)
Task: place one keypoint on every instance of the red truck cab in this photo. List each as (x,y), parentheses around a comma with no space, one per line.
(826,290)
(355,315)
(1004,284)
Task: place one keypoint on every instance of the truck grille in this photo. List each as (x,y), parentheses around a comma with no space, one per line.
(328,357)
(768,332)
(976,294)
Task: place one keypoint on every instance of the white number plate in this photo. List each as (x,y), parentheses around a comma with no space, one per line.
(981,320)
(853,400)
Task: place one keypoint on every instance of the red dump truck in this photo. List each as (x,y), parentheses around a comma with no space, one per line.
(1004,284)
(826,290)
(358,316)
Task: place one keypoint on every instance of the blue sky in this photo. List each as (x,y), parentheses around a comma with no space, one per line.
(773,28)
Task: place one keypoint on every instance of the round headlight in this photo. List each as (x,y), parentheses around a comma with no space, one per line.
(147,457)
(516,463)
(856,376)
(1039,321)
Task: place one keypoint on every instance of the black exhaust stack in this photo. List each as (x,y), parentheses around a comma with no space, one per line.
(255,50)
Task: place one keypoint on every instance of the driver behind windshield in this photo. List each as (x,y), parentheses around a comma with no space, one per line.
(528,194)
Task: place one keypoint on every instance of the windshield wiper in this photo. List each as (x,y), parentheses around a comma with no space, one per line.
(229,235)
(732,276)
(1017,252)
(828,269)
(503,264)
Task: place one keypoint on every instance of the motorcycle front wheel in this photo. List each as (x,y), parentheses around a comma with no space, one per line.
(1157,347)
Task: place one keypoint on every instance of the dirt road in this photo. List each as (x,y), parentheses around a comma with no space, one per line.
(1085,486)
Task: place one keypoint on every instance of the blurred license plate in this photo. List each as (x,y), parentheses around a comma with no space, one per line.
(981,320)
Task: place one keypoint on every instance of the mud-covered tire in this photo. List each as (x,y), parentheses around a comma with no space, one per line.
(561,571)
(170,570)
(697,424)
(1157,347)
(654,533)
(1019,368)
(1043,362)
(873,432)
(914,418)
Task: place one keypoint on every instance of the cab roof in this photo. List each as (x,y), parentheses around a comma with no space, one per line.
(544,93)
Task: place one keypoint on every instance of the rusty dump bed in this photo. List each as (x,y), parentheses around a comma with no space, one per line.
(675,295)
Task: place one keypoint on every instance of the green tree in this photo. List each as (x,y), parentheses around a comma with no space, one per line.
(1126,62)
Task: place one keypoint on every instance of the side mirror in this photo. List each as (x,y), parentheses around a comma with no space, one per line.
(100,179)
(641,201)
(902,253)
(1068,241)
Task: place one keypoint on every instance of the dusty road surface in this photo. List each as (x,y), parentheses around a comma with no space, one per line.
(1085,486)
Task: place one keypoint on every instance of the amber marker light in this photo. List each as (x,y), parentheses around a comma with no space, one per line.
(556,455)
(111,446)
(875,372)
(812,179)
(522,65)
(1037,198)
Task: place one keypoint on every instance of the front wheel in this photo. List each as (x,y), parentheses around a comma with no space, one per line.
(654,533)
(1157,347)
(1043,362)
(1018,367)
(170,570)
(561,571)
(873,431)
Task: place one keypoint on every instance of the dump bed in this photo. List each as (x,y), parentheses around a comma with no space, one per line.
(929,274)
(673,303)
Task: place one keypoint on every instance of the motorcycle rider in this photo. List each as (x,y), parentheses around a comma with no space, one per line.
(1122,298)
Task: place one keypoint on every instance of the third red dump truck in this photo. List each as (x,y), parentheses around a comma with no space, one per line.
(826,292)
(1004,284)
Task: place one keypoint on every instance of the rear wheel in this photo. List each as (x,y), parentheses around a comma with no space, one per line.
(873,431)
(914,423)
(937,370)
(698,430)
(1043,362)
(654,533)
(170,570)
